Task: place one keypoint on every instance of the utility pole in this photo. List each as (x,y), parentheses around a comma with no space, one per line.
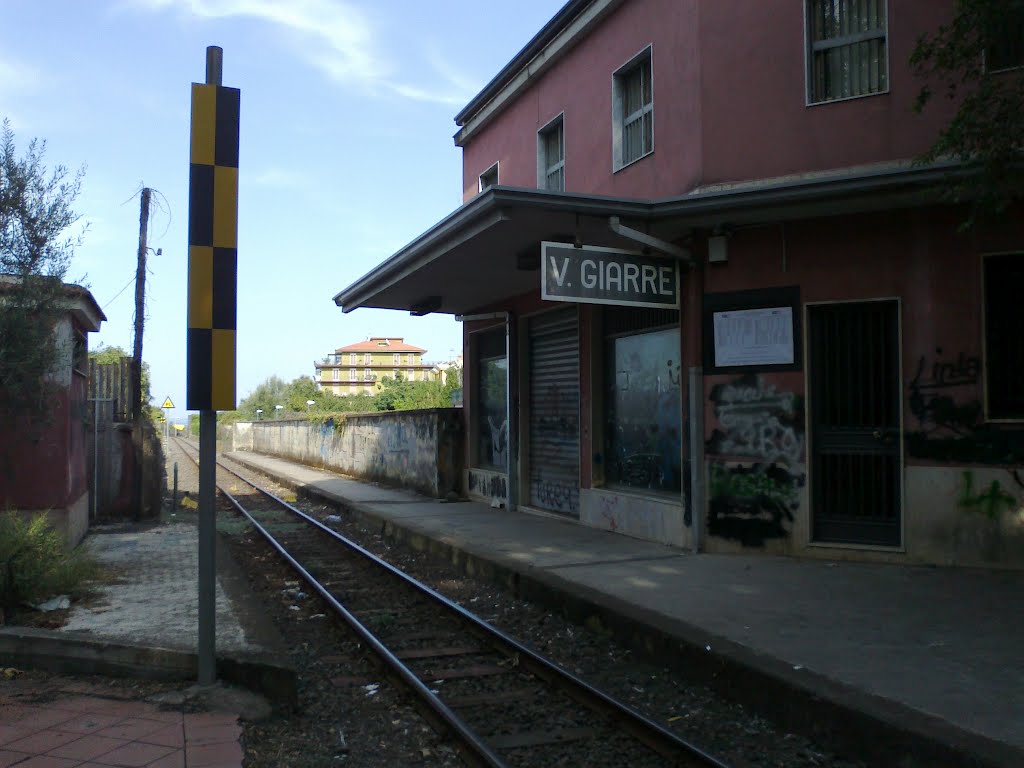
(140,313)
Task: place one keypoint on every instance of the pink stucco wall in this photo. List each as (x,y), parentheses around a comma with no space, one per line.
(729,102)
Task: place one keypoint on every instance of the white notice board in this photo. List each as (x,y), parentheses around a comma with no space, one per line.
(754,337)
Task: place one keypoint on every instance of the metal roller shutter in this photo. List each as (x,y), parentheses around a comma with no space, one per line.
(554,451)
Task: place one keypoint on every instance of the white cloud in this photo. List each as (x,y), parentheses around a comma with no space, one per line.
(334,36)
(279,177)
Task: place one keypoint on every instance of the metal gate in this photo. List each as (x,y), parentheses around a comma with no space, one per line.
(856,477)
(554,438)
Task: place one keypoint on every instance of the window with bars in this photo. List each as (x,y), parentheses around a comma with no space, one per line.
(1004,328)
(551,156)
(633,101)
(847,49)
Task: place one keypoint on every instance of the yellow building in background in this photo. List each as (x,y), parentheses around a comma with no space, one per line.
(356,369)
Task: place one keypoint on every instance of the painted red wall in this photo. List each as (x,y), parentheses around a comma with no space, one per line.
(918,256)
(36,465)
(729,102)
(580,85)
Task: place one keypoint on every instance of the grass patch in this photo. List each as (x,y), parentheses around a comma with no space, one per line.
(37,564)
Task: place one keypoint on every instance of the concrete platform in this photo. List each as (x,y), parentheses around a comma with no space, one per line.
(903,665)
(145,623)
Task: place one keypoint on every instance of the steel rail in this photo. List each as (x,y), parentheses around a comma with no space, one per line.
(649,732)
(472,748)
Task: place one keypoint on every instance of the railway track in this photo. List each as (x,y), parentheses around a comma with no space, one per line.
(501,703)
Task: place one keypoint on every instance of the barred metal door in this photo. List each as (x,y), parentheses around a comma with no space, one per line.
(856,477)
(554,448)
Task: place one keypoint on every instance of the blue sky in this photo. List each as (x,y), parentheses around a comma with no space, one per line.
(346,152)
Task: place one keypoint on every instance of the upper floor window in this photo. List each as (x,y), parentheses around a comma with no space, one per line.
(335,374)
(352,375)
(396,358)
(351,358)
(366,358)
(1007,50)
(633,107)
(847,49)
(489,178)
(551,156)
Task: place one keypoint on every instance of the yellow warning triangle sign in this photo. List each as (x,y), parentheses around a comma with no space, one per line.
(167,403)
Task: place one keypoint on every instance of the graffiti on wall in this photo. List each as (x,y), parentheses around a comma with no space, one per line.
(754,501)
(990,501)
(943,398)
(757,421)
(555,495)
(490,484)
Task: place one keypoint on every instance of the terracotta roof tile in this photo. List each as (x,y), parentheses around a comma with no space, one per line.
(374,345)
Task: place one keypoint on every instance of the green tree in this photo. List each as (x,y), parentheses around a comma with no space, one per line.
(36,216)
(397,394)
(962,59)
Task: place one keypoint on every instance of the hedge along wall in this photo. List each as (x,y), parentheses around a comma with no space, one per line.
(418,450)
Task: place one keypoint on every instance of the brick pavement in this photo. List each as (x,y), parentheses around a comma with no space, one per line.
(69,728)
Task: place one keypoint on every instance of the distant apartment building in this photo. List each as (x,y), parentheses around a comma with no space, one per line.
(357,368)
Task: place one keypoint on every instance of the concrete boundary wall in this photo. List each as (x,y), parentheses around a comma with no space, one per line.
(419,450)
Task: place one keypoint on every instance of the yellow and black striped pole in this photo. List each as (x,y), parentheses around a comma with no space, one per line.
(212,305)
(212,248)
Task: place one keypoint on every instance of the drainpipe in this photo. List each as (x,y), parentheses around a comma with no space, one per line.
(693,345)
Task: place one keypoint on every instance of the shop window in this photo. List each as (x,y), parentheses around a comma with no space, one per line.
(847,49)
(492,401)
(643,406)
(1004,329)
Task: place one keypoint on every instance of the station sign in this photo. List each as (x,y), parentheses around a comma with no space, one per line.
(591,274)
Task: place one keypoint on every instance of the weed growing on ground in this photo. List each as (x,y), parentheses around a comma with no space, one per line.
(37,564)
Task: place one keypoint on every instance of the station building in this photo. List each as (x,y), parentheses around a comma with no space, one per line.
(43,465)
(710,300)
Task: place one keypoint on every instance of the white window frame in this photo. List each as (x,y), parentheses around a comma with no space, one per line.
(366,358)
(809,99)
(335,374)
(396,358)
(493,170)
(353,374)
(544,167)
(351,358)
(644,58)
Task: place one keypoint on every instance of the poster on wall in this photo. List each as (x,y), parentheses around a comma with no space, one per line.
(762,336)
